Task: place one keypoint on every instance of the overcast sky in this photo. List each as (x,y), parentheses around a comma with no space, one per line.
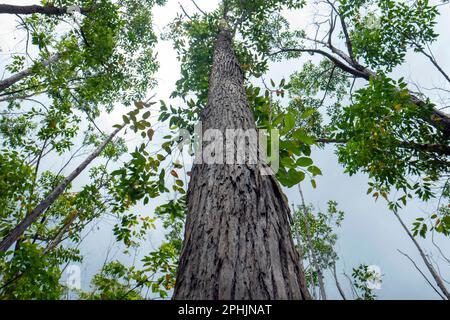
(370,233)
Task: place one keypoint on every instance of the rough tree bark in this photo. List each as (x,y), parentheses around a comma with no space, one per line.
(238,242)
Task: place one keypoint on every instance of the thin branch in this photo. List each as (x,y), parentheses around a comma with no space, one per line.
(199,9)
(17,232)
(6,83)
(338,285)
(429,266)
(423,275)
(335,60)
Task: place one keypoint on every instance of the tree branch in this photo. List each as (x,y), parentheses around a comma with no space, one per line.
(423,275)
(6,83)
(440,149)
(17,232)
(48,10)
(336,61)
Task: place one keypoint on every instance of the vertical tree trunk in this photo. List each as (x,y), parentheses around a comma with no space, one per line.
(238,242)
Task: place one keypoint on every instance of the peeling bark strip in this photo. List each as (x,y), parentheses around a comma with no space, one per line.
(238,242)
(17,232)
(5,84)
(49,10)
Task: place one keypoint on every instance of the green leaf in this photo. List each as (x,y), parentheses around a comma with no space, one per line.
(146,115)
(289,122)
(315,171)
(304,162)
(295,177)
(303,137)
(307,113)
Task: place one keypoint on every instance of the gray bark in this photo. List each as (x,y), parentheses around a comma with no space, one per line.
(316,266)
(434,274)
(6,83)
(338,285)
(17,232)
(238,242)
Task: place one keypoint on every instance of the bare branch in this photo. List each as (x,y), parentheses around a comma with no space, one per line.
(423,275)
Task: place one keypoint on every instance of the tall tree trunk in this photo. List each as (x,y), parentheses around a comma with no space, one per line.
(238,242)
(17,232)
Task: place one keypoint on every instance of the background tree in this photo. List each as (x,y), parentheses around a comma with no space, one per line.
(56,90)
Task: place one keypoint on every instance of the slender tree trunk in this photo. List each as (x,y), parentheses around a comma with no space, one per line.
(17,232)
(301,252)
(59,236)
(238,242)
(6,83)
(48,10)
(434,274)
(322,291)
(422,274)
(338,285)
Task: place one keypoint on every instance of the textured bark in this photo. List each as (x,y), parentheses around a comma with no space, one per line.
(238,242)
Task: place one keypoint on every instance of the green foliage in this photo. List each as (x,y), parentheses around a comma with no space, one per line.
(384,136)
(317,231)
(116,282)
(382,31)
(104,58)
(361,277)
(31,275)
